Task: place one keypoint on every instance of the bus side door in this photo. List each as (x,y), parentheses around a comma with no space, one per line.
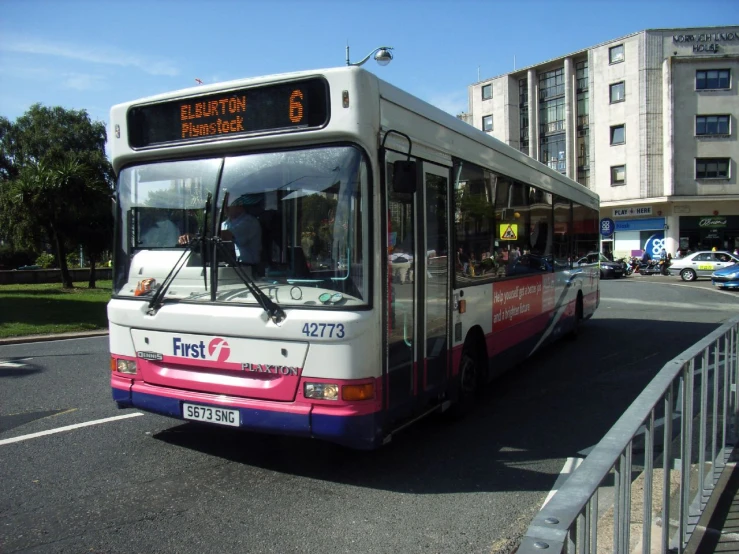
(417,290)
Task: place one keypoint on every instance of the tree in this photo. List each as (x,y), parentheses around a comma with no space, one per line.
(55,180)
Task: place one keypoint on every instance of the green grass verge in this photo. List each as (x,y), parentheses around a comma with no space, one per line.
(48,308)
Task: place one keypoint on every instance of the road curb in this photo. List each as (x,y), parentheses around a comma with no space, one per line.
(50,337)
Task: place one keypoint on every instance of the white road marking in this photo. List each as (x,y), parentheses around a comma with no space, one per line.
(11,364)
(570,466)
(661,282)
(683,305)
(67,428)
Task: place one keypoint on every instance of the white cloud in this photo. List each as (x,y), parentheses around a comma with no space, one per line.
(89,54)
(83,81)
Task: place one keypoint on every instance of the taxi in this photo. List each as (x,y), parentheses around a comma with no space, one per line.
(701,264)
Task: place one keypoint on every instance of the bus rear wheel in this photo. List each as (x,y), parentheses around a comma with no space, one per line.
(470,380)
(573,334)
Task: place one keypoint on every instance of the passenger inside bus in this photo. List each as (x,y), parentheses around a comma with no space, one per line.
(160,231)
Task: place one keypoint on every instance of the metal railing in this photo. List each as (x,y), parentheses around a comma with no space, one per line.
(694,398)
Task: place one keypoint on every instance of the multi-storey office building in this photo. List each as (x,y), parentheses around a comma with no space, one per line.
(648,121)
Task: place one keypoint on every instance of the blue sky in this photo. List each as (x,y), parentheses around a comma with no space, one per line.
(93,54)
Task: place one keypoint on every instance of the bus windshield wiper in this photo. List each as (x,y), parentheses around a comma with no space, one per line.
(156,301)
(274,311)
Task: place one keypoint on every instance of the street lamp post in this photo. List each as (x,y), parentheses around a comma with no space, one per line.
(383,56)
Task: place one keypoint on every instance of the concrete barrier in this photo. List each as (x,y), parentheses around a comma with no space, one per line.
(31,276)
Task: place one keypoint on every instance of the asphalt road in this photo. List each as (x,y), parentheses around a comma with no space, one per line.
(151,484)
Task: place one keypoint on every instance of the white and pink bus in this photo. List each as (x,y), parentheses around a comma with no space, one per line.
(321,254)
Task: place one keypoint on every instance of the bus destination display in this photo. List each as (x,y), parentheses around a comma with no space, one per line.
(297,105)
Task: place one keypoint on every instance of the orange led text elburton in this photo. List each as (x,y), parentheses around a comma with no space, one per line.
(210,109)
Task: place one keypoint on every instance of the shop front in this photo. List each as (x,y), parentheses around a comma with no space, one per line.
(708,231)
(633,236)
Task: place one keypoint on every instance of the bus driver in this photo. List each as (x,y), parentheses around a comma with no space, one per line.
(244,229)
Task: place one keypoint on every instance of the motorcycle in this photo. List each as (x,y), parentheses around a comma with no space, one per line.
(628,267)
(652,267)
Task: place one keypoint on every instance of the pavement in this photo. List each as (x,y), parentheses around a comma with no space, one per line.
(718,528)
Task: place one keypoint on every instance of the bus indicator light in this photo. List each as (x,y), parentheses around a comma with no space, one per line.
(358,392)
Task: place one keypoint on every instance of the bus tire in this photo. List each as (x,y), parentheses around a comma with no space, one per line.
(575,332)
(471,380)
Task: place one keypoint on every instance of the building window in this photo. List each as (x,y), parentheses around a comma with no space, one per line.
(618,92)
(707,125)
(523,92)
(552,116)
(712,168)
(618,175)
(616,54)
(617,135)
(553,152)
(523,102)
(583,151)
(551,84)
(487,123)
(583,109)
(487,92)
(713,79)
(581,73)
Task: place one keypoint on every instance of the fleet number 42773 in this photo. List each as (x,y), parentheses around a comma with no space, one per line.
(324,330)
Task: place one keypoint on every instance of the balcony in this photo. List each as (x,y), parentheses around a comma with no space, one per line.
(582,84)
(583,121)
(524,133)
(583,162)
(552,127)
(558,165)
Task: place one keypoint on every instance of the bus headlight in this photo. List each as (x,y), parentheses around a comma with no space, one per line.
(321,391)
(123,366)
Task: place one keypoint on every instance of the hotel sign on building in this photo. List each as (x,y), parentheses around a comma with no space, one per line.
(706,42)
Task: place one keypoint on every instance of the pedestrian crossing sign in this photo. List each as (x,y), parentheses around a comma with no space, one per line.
(509,231)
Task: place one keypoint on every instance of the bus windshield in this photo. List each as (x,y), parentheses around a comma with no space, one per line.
(295,222)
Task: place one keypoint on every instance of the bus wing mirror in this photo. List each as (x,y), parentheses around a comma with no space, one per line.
(404,176)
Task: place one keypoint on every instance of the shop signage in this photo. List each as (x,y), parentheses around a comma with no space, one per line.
(646,224)
(712,222)
(705,42)
(631,212)
(607,226)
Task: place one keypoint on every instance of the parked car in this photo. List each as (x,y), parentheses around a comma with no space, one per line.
(530,263)
(608,269)
(726,278)
(701,264)
(30,267)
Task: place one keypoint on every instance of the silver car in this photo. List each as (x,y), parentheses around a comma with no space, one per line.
(701,264)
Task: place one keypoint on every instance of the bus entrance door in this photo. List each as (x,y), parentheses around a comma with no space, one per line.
(433,280)
(418,297)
